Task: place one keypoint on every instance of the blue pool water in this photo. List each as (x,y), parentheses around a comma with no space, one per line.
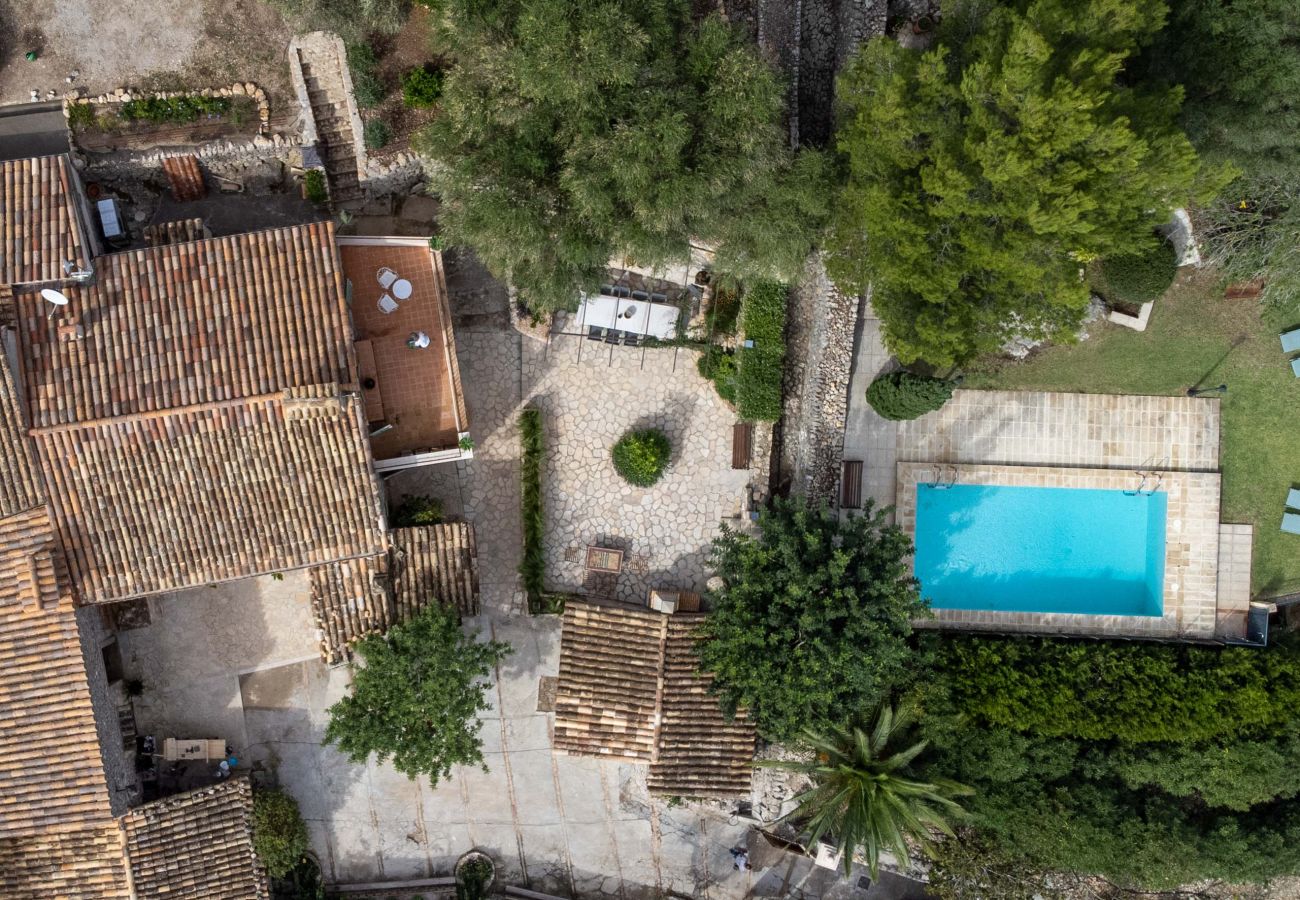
(1045,550)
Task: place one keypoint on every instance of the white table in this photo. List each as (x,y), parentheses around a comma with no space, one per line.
(624,314)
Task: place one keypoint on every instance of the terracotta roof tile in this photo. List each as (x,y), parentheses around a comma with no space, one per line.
(700,753)
(629,689)
(197,844)
(19,481)
(38,222)
(187,324)
(85,864)
(185,177)
(610,664)
(151,504)
(353,598)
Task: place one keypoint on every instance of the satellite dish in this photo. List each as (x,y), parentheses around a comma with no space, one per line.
(57,298)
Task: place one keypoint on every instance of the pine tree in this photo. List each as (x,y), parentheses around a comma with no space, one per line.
(983,172)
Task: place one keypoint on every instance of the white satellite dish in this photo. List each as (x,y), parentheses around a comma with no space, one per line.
(57,298)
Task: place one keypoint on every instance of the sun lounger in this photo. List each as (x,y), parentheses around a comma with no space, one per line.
(1291,523)
(1293,499)
(1291,341)
(1295,367)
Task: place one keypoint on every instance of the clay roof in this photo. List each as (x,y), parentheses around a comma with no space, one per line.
(39,228)
(57,835)
(353,598)
(628,690)
(197,844)
(700,753)
(185,177)
(206,426)
(188,324)
(608,693)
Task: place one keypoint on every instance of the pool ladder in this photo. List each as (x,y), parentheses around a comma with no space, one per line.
(1142,483)
(939,481)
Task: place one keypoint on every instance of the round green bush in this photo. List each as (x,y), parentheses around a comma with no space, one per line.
(421,87)
(719,366)
(902,395)
(376,134)
(279,833)
(641,456)
(1139,277)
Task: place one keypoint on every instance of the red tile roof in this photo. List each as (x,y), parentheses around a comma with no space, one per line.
(57,835)
(39,228)
(206,427)
(197,844)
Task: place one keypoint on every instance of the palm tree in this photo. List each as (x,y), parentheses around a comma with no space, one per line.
(863,794)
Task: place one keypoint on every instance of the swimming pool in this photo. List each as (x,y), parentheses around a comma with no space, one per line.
(1043,550)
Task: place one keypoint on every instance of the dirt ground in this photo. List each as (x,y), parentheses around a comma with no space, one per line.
(163,44)
(409,48)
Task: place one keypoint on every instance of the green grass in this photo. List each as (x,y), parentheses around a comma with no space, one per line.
(1195,337)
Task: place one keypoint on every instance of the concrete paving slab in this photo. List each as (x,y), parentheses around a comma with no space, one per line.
(594,852)
(536,800)
(523,733)
(354,849)
(404,848)
(501,842)
(487,794)
(546,849)
(393,794)
(583,800)
(191,708)
(444,843)
(298,774)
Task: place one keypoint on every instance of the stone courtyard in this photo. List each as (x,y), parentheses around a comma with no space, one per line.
(590,396)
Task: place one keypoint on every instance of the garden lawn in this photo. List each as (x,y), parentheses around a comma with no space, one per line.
(1195,337)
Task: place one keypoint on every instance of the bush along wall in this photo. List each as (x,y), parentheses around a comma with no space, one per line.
(533,567)
(902,395)
(760,361)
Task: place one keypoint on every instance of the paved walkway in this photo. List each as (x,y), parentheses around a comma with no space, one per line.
(867,436)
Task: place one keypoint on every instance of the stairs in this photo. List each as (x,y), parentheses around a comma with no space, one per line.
(324,74)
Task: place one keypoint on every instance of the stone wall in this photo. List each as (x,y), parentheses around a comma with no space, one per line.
(119,765)
(819,361)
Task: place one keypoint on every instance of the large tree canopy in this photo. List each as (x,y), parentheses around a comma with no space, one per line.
(985,170)
(570,133)
(417,697)
(813,624)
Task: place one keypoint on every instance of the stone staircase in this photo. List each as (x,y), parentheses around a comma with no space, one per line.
(327,86)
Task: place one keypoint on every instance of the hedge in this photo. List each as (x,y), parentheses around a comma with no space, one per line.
(759,368)
(533,566)
(1139,277)
(719,366)
(901,395)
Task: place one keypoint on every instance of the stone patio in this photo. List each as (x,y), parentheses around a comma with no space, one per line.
(590,394)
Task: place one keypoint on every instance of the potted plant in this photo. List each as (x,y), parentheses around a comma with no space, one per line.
(474,875)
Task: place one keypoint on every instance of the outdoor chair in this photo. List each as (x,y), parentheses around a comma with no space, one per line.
(630,339)
(386,277)
(1291,523)
(595,334)
(387,305)
(1293,499)
(613,336)
(1291,341)
(1295,367)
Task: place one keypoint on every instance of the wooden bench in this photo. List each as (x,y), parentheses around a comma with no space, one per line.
(742,444)
(851,484)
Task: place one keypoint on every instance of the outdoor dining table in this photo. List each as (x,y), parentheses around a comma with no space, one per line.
(629,315)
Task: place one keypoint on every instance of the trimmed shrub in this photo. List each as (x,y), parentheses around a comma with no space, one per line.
(641,456)
(719,366)
(364,66)
(1139,277)
(173,109)
(314,182)
(901,395)
(421,87)
(723,311)
(415,511)
(759,369)
(533,567)
(376,134)
(279,833)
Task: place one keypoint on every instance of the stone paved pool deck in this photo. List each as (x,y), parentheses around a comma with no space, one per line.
(1075,440)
